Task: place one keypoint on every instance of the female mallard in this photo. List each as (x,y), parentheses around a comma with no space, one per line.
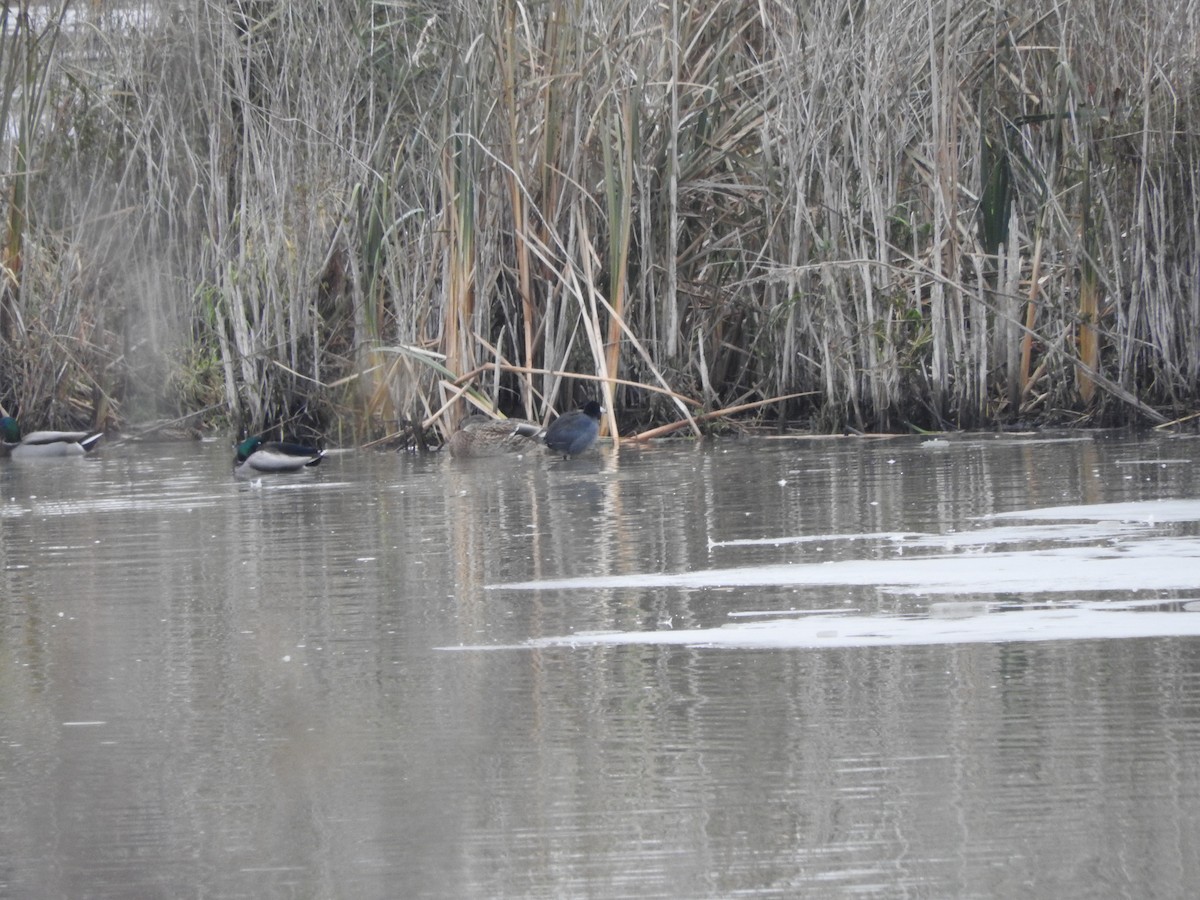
(572,433)
(256,455)
(44,443)
(480,436)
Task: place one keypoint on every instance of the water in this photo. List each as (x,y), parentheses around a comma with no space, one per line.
(773,668)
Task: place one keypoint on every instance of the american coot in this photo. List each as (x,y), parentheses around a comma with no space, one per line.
(480,436)
(256,455)
(44,443)
(572,433)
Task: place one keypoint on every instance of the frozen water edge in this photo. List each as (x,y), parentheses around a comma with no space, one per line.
(1158,564)
(1089,622)
(1108,555)
(1119,559)
(1147,511)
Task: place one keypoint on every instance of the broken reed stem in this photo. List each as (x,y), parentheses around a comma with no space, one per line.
(559,373)
(1163,425)
(633,339)
(716,414)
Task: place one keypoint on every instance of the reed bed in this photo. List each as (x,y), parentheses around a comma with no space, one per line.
(357,218)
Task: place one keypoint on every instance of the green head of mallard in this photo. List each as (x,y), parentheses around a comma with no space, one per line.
(248,446)
(10,431)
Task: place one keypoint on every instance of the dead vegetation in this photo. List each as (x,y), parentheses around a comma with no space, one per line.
(352,218)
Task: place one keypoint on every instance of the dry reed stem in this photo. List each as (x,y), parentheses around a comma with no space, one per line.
(1031,314)
(1179,421)
(716,414)
(560,373)
(591,326)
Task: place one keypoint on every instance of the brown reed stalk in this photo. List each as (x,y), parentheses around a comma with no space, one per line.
(618,177)
(672,427)
(1031,306)
(1089,307)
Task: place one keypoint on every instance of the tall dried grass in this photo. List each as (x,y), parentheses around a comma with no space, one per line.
(321,216)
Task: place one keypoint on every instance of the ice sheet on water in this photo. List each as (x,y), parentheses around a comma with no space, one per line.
(1122,550)
(816,539)
(1010,534)
(1161,564)
(1114,554)
(1028,534)
(1149,511)
(1092,621)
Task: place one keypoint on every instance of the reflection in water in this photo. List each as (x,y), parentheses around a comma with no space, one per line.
(234,688)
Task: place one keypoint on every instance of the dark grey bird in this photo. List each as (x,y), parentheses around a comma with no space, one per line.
(572,433)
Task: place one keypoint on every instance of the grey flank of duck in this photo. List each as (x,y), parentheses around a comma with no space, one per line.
(38,444)
(254,455)
(574,432)
(480,436)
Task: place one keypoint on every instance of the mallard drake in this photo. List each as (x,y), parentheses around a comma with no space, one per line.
(45,443)
(256,455)
(572,433)
(478,435)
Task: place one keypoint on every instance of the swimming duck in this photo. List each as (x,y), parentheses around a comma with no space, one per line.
(45,443)
(256,455)
(479,435)
(572,433)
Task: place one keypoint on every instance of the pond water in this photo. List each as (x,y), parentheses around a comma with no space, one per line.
(774,668)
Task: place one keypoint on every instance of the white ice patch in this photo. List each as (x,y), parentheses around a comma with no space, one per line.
(1164,564)
(1148,511)
(817,539)
(1068,623)
(1118,557)
(1123,549)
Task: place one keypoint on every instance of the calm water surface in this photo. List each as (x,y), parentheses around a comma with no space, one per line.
(326,685)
